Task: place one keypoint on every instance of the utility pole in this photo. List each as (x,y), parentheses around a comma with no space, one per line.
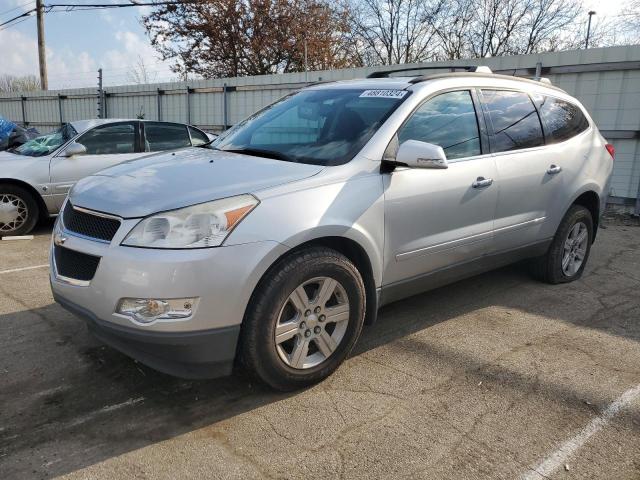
(100,95)
(42,54)
(306,61)
(586,43)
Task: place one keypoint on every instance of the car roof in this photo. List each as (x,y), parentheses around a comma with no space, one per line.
(84,125)
(406,82)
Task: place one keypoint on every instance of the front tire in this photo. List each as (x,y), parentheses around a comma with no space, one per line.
(569,251)
(18,211)
(303,319)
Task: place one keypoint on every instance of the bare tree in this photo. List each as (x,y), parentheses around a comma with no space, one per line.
(140,73)
(12,83)
(394,31)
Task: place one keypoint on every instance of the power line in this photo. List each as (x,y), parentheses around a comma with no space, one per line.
(16,8)
(22,15)
(14,24)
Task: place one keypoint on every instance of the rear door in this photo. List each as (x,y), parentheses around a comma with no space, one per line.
(438,218)
(159,136)
(531,180)
(107,145)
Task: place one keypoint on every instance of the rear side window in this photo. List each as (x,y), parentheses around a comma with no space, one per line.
(165,136)
(448,120)
(110,139)
(516,124)
(562,119)
(198,137)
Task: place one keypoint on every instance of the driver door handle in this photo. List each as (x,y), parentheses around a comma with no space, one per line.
(553,169)
(482,182)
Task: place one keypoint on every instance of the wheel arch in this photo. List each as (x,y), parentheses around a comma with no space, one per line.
(351,249)
(42,206)
(591,201)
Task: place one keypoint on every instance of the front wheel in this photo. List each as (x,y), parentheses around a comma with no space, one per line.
(303,319)
(18,211)
(569,251)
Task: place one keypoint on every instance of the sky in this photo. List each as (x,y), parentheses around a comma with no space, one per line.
(78,43)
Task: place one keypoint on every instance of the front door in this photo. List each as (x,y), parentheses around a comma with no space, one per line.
(106,145)
(439,218)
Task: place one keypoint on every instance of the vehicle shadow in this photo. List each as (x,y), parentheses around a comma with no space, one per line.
(69,402)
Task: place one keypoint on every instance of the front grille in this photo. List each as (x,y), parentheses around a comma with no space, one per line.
(89,225)
(76,265)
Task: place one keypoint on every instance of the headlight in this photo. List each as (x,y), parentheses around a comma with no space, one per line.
(198,226)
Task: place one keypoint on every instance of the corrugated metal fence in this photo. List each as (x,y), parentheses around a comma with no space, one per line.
(605,80)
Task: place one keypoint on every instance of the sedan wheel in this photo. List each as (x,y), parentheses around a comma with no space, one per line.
(18,210)
(13,213)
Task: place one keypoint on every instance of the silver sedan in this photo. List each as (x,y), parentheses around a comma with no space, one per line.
(36,176)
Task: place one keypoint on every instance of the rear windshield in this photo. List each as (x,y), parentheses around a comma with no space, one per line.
(322,127)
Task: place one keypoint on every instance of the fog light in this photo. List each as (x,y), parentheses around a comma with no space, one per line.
(146,310)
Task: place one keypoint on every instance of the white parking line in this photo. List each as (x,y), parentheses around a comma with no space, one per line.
(13,270)
(558,458)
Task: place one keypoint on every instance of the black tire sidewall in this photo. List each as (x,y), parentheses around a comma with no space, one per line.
(264,309)
(575,214)
(32,209)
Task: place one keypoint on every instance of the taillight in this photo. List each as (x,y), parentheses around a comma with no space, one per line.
(611,149)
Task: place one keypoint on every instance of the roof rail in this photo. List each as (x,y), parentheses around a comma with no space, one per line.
(451,68)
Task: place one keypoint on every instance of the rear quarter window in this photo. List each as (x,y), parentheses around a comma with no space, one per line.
(562,119)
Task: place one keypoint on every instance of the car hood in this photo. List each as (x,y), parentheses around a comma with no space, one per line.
(12,164)
(178,179)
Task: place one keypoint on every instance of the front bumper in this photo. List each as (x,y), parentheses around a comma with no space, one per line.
(203,345)
(195,355)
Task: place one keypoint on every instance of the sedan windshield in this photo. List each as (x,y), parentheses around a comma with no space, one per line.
(46,144)
(322,127)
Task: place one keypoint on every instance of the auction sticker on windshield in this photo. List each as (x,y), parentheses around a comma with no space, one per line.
(384,93)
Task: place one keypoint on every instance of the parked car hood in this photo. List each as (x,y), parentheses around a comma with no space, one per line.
(177,179)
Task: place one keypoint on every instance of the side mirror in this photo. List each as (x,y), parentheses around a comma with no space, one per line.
(417,154)
(75,149)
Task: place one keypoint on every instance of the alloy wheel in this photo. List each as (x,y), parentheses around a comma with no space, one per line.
(575,249)
(312,323)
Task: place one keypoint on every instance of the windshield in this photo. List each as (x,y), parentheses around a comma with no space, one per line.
(46,144)
(322,127)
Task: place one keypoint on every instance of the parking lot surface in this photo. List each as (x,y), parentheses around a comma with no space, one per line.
(498,376)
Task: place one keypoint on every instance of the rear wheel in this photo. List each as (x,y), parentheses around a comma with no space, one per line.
(304,319)
(18,211)
(569,251)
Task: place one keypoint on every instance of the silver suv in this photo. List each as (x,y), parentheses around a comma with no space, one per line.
(277,243)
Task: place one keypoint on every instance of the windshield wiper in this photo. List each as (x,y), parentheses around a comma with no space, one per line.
(258,152)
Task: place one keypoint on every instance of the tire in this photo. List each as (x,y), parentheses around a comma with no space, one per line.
(274,303)
(18,211)
(549,268)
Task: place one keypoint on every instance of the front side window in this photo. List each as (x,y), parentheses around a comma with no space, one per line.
(322,127)
(516,124)
(46,144)
(110,139)
(448,120)
(562,119)
(165,136)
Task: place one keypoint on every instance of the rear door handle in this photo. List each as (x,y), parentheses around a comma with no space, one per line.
(553,169)
(482,182)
